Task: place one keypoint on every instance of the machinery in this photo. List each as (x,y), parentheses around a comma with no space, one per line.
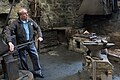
(10,62)
(97,65)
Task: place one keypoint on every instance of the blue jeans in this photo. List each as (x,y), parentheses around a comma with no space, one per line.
(31,49)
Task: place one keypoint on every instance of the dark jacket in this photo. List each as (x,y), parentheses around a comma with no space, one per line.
(16,28)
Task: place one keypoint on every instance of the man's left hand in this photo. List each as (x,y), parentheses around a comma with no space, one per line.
(40,39)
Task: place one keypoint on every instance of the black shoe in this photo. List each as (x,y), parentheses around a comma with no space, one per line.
(38,74)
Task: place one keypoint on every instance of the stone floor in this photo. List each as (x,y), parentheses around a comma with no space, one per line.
(61,64)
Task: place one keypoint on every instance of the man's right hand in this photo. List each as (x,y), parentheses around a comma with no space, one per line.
(11,46)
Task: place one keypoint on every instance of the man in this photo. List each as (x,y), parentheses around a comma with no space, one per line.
(23,28)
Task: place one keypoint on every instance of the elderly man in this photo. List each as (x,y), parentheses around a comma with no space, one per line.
(23,28)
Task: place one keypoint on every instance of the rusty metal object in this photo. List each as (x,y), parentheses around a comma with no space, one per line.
(96,48)
(97,64)
(10,66)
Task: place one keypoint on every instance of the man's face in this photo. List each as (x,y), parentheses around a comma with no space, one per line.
(23,14)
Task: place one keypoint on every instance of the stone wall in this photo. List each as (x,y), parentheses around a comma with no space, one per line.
(60,13)
(64,13)
(5,6)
